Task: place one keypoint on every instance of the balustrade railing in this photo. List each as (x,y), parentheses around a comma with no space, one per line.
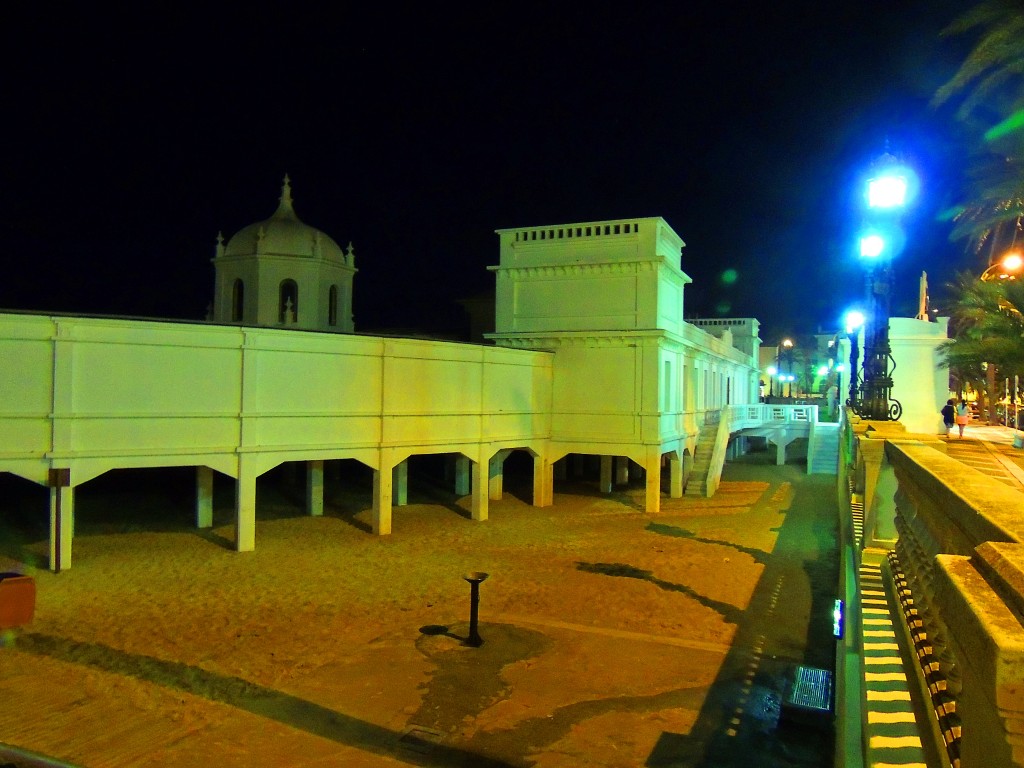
(956,571)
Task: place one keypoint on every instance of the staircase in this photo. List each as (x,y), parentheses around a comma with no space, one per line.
(697,483)
(823,449)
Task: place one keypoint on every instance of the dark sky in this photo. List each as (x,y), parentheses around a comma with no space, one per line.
(133,137)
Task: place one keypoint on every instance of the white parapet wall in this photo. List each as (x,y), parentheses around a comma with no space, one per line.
(920,381)
(96,394)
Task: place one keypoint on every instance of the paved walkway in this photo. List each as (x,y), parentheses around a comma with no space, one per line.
(990,449)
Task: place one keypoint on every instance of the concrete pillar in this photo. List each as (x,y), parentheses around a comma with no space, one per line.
(496,475)
(480,488)
(652,471)
(245,507)
(675,471)
(314,488)
(382,492)
(400,483)
(543,482)
(621,470)
(604,485)
(204,497)
(62,522)
(461,475)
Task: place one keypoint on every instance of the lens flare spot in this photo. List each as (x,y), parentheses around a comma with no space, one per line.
(723,308)
(729,276)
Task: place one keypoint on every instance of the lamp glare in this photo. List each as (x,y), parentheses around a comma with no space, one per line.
(872,246)
(887,192)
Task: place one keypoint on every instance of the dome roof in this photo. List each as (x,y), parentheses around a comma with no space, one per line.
(284,235)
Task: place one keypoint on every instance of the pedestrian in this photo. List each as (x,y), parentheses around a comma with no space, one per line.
(963,415)
(948,416)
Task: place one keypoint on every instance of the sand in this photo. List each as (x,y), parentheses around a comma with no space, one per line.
(604,628)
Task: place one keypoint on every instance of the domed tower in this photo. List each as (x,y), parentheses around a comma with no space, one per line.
(281,272)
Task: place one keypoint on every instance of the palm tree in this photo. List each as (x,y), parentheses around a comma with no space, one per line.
(987,89)
(988,332)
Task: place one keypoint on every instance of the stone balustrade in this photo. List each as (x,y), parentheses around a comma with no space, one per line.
(958,570)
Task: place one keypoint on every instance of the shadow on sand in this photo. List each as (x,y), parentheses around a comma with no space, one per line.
(258,700)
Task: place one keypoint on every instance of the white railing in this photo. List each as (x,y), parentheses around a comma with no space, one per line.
(760,414)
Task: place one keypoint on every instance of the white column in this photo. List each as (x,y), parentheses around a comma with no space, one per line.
(621,470)
(400,483)
(481,488)
(245,507)
(382,491)
(652,468)
(496,475)
(675,470)
(62,521)
(204,497)
(543,482)
(604,485)
(315,488)
(461,475)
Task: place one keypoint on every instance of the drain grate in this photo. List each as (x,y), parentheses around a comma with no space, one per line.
(812,689)
(420,739)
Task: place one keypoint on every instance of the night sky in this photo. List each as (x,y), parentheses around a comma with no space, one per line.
(132,138)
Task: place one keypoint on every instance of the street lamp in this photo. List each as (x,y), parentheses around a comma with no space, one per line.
(887,193)
(1007,268)
(788,345)
(854,321)
(772,370)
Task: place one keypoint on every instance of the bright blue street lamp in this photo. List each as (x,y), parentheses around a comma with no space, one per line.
(888,191)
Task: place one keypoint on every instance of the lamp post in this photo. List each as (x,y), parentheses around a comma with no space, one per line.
(772,371)
(854,321)
(1007,268)
(886,195)
(787,345)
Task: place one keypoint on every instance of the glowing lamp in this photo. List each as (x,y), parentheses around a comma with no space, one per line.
(887,192)
(854,320)
(872,246)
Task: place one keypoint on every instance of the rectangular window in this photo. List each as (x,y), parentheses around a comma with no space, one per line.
(666,402)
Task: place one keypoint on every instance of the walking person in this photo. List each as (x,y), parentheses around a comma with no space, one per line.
(948,416)
(963,416)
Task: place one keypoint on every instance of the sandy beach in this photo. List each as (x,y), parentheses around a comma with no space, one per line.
(604,628)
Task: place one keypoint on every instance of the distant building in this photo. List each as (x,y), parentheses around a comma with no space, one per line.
(282,273)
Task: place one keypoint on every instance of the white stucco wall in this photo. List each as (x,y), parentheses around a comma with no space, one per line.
(97,394)
(919,381)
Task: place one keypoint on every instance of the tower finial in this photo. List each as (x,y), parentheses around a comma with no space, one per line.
(285,209)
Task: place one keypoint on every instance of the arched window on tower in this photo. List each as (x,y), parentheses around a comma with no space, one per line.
(332,306)
(288,303)
(237,301)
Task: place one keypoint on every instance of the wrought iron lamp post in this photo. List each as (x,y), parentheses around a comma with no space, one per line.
(854,321)
(887,195)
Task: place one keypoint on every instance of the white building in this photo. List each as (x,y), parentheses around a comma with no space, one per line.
(592,357)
